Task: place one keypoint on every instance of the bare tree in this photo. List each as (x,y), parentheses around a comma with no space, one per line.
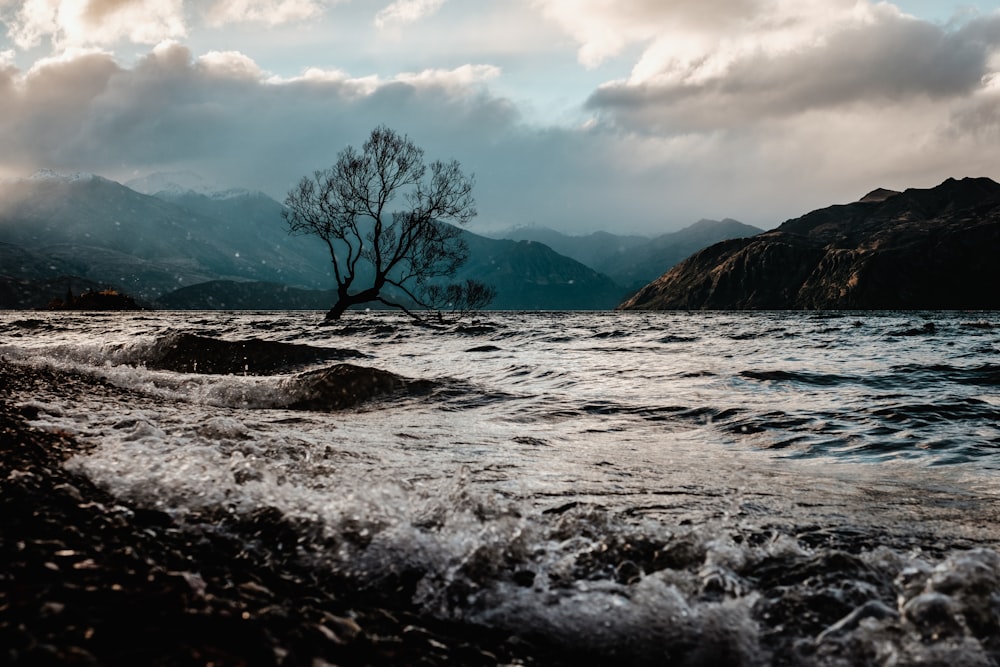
(380,252)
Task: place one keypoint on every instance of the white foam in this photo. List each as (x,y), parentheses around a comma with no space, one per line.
(467,540)
(514,521)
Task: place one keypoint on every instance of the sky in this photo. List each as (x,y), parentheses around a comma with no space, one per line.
(639,116)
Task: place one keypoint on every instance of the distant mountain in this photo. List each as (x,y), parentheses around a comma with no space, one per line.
(33,280)
(100,230)
(230,295)
(173,182)
(102,234)
(633,261)
(931,248)
(249,225)
(34,293)
(599,249)
(667,250)
(532,276)
(526,275)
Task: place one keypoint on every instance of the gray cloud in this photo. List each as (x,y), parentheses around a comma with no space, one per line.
(979,117)
(761,144)
(172,110)
(42,112)
(886,62)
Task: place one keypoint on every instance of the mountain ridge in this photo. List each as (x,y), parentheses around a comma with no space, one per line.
(630,260)
(921,248)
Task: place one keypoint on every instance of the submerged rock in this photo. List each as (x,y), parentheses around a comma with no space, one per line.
(345,386)
(188,353)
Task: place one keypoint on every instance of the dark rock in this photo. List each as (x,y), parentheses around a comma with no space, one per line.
(878,194)
(484,348)
(872,609)
(105,299)
(935,615)
(188,353)
(344,386)
(920,249)
(524,578)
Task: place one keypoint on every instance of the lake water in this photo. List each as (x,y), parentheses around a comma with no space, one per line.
(689,487)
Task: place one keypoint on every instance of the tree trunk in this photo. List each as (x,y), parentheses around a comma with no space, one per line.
(347,300)
(337,310)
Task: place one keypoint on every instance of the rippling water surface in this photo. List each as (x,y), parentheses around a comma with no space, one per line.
(586,475)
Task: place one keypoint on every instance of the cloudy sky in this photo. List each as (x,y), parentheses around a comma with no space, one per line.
(625,115)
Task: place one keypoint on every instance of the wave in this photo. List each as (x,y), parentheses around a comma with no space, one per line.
(584,584)
(190,353)
(987,375)
(803,377)
(344,386)
(481,488)
(895,377)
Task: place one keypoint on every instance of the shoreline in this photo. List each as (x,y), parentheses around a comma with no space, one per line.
(93,579)
(89,579)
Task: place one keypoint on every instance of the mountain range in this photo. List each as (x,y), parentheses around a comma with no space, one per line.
(174,244)
(634,261)
(933,248)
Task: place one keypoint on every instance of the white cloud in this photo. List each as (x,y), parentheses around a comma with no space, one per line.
(82,111)
(75,23)
(880,62)
(604,28)
(70,23)
(460,81)
(460,78)
(270,12)
(406,11)
(230,64)
(36,19)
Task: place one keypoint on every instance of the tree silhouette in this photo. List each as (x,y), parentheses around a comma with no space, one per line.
(380,252)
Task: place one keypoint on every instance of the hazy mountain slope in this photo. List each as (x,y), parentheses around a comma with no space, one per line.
(599,249)
(633,261)
(106,232)
(30,279)
(528,276)
(250,223)
(23,264)
(89,211)
(151,246)
(664,251)
(230,295)
(532,276)
(924,248)
(28,293)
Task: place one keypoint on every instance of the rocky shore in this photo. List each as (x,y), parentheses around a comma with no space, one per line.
(89,580)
